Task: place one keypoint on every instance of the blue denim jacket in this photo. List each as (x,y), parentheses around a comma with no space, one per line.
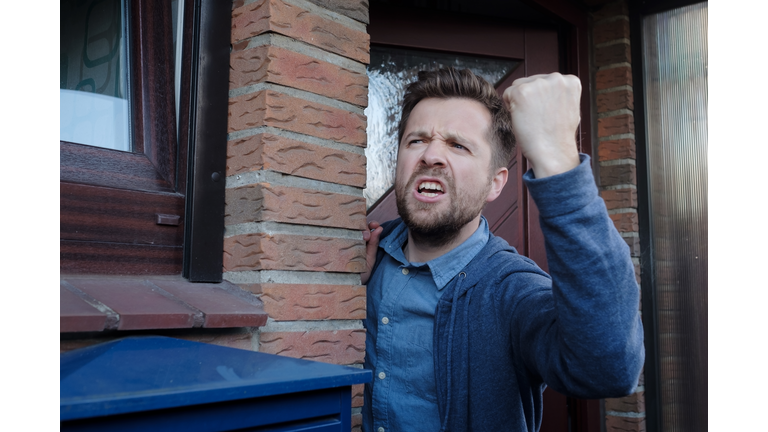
(399,332)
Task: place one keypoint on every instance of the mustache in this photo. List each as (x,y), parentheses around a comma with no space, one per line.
(438,173)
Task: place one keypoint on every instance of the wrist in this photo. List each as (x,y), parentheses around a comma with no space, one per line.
(554,164)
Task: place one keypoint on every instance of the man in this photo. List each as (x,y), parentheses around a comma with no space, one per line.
(462,332)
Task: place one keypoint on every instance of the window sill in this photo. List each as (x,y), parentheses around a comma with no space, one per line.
(98,303)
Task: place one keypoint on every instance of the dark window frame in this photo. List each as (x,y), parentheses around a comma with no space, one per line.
(111,200)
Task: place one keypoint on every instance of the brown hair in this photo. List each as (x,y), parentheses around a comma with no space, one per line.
(448,83)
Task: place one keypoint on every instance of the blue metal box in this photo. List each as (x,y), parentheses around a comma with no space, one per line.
(159,383)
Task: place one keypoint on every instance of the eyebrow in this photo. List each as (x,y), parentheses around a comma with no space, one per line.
(450,135)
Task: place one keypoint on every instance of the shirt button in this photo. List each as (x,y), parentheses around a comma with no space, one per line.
(381,429)
(385,320)
(405,271)
(382,375)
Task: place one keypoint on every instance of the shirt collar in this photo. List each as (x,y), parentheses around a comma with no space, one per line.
(445,267)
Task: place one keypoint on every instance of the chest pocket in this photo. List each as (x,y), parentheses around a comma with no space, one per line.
(420,372)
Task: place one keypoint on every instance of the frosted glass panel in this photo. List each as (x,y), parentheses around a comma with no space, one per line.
(93,99)
(675,60)
(391,69)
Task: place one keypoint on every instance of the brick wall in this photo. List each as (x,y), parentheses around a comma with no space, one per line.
(295,174)
(616,155)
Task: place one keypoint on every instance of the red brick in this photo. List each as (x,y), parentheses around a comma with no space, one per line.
(624,424)
(611,10)
(611,30)
(613,77)
(276,153)
(632,403)
(357,395)
(634,245)
(277,65)
(357,422)
(270,108)
(613,175)
(625,222)
(292,21)
(293,252)
(239,338)
(615,125)
(355,9)
(616,149)
(288,302)
(330,346)
(615,100)
(265,202)
(620,198)
(611,54)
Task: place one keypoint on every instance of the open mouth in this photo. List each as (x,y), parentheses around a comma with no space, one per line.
(430,189)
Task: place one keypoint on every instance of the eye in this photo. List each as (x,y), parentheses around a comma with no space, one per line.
(458,146)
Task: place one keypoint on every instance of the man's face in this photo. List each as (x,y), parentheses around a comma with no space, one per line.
(444,176)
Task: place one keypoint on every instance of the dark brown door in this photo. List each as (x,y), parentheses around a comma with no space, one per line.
(513,216)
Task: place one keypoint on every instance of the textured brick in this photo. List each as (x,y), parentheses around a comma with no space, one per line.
(240,339)
(615,100)
(292,21)
(632,403)
(616,53)
(355,9)
(304,302)
(357,395)
(337,346)
(611,10)
(357,422)
(270,108)
(620,198)
(265,202)
(278,65)
(293,252)
(613,77)
(625,222)
(276,153)
(611,30)
(615,125)
(634,245)
(624,424)
(616,149)
(618,175)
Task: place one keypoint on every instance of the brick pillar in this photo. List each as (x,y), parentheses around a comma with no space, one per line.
(296,172)
(612,71)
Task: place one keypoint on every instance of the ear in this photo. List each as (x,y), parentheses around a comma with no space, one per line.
(497,184)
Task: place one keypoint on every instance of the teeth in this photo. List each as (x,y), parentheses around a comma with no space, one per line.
(431,186)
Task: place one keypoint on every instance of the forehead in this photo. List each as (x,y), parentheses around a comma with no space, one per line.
(465,117)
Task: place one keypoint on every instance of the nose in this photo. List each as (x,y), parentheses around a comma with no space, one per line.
(433,154)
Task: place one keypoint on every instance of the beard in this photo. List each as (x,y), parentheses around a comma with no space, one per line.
(438,228)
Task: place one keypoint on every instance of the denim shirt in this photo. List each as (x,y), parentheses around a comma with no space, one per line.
(402,298)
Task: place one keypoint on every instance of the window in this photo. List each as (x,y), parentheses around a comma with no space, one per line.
(130,66)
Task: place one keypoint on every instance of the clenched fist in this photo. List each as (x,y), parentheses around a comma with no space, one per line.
(545,117)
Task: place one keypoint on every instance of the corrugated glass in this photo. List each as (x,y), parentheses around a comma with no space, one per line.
(675,78)
(391,69)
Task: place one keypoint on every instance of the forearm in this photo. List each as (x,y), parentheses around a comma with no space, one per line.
(595,296)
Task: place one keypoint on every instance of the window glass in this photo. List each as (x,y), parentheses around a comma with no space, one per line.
(94,106)
(391,69)
(675,76)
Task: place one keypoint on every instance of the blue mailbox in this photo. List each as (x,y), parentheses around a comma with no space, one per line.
(159,383)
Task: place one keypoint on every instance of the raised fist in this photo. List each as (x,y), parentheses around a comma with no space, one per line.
(545,118)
